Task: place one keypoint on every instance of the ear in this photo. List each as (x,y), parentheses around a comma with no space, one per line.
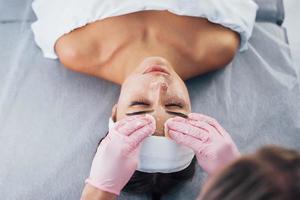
(114,113)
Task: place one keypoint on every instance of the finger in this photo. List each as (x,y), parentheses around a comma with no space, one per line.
(188,129)
(202,125)
(131,126)
(212,130)
(213,122)
(187,140)
(139,135)
(125,120)
(151,118)
(178,119)
(166,128)
(197,116)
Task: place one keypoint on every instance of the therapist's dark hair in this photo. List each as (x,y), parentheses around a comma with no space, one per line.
(157,184)
(272,173)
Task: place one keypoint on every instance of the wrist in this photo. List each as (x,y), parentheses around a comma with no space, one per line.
(92,193)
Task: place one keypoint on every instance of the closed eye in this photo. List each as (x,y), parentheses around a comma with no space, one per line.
(139,103)
(150,111)
(175,105)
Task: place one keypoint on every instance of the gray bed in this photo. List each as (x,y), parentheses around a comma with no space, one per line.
(51,119)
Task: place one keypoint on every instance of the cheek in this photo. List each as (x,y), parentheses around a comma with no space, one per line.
(119,116)
(121,111)
(182,92)
(185,94)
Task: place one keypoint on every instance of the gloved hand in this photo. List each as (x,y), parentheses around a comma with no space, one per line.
(117,155)
(212,145)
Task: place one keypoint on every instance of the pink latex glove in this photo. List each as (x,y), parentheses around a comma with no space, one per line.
(213,146)
(117,155)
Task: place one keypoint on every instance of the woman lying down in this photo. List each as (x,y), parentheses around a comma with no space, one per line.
(150,48)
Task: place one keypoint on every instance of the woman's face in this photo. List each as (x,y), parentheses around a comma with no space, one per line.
(153,88)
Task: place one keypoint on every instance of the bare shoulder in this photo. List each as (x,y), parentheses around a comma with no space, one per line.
(89,48)
(214,47)
(78,51)
(219,45)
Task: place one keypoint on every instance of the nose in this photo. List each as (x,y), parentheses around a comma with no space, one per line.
(163,87)
(160,85)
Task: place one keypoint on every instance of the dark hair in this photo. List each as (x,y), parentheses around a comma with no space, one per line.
(272,173)
(157,184)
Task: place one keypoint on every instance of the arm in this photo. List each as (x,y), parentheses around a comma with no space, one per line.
(116,158)
(92,193)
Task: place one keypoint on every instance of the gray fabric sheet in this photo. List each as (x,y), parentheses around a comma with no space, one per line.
(51,119)
(269,10)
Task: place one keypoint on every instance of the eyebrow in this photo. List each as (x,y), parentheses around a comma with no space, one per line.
(150,111)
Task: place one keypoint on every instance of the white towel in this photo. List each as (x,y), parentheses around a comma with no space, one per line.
(56,17)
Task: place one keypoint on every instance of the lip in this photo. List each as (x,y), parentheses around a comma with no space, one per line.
(156,69)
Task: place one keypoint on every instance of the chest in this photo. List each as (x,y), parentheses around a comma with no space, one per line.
(149,32)
(123,42)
